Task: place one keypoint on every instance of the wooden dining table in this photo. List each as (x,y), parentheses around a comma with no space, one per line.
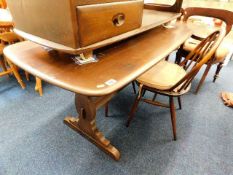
(96,83)
(6,21)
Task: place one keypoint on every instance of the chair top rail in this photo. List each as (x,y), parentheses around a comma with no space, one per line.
(224,15)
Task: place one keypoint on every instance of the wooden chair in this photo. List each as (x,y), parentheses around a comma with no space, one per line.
(174,80)
(9,38)
(190,44)
(6,39)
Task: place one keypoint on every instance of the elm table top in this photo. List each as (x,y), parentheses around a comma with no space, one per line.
(117,66)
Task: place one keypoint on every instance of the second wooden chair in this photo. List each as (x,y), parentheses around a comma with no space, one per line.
(172,80)
(220,54)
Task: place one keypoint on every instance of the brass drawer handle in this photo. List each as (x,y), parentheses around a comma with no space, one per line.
(118,19)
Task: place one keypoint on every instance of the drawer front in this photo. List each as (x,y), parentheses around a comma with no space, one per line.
(103,21)
(47,19)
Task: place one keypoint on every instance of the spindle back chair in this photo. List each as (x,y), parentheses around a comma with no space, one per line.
(175,87)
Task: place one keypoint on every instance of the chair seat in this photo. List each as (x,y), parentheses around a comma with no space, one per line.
(220,54)
(190,44)
(223,50)
(162,76)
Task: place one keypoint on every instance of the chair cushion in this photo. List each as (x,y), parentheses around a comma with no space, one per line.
(224,49)
(221,52)
(190,44)
(162,76)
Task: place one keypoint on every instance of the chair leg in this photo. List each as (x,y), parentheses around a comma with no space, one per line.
(167,58)
(143,92)
(135,105)
(27,76)
(219,67)
(3,65)
(16,73)
(134,87)
(39,86)
(179,101)
(203,77)
(154,97)
(173,116)
(178,56)
(106,109)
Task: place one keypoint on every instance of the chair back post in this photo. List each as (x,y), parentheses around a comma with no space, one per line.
(200,55)
(224,15)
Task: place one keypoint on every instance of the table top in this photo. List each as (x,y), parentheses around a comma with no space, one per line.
(117,66)
(5,17)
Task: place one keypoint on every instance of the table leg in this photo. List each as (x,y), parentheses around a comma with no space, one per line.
(85,124)
(2,64)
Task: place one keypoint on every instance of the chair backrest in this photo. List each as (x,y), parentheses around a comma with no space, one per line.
(197,58)
(224,15)
(3,4)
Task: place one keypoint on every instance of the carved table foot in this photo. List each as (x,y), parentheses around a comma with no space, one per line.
(85,124)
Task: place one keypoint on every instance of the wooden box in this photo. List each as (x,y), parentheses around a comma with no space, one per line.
(76,23)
